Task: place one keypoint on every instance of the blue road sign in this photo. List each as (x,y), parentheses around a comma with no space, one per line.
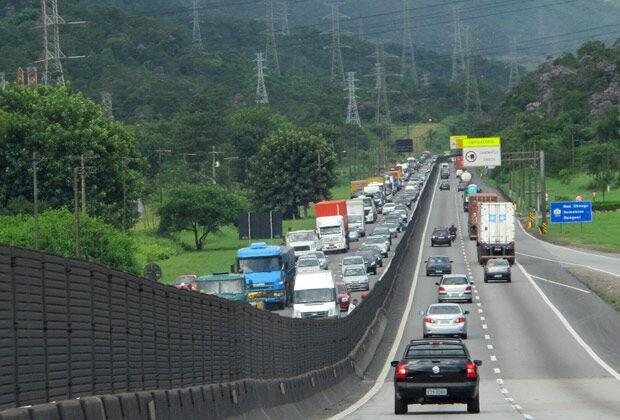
(571,211)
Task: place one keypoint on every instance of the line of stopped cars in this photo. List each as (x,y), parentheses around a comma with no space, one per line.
(438,368)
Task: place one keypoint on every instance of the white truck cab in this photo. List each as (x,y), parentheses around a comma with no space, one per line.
(303,242)
(332,233)
(314,296)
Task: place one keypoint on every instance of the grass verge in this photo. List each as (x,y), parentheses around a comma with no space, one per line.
(604,285)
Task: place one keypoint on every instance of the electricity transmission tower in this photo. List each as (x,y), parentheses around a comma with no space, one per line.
(52,54)
(408,56)
(458,58)
(472,93)
(360,27)
(106,100)
(382,108)
(337,69)
(196,35)
(353,116)
(284,18)
(513,76)
(271,51)
(261,89)
(426,79)
(2,81)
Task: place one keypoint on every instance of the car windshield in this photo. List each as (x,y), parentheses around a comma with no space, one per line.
(382,230)
(498,263)
(352,261)
(444,310)
(439,351)
(354,271)
(259,265)
(307,262)
(330,230)
(440,232)
(375,240)
(300,236)
(314,296)
(319,254)
(231,286)
(342,289)
(355,218)
(438,260)
(370,248)
(209,287)
(454,281)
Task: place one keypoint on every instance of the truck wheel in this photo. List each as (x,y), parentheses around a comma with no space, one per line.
(473,405)
(400,406)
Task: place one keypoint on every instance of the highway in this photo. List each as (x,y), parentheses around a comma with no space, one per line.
(549,346)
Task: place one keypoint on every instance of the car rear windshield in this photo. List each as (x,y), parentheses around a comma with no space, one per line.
(438,260)
(354,271)
(498,263)
(444,310)
(440,232)
(307,262)
(454,280)
(430,351)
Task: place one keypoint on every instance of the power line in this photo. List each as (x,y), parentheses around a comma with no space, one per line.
(353,116)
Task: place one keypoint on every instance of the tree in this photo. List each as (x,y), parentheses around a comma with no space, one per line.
(60,125)
(201,209)
(292,168)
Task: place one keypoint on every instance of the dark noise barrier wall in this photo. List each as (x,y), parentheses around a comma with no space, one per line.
(110,345)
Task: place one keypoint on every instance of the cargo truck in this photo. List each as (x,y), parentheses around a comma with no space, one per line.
(332,225)
(458,163)
(357,187)
(355,216)
(474,200)
(496,231)
(370,212)
(268,272)
(303,242)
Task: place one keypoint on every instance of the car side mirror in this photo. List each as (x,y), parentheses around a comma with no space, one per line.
(394,363)
(422,313)
(451,261)
(436,284)
(478,362)
(466,313)
(471,282)
(426,261)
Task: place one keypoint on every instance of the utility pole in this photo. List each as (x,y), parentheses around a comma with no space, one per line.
(52,54)
(271,52)
(284,18)
(353,116)
(196,35)
(85,170)
(513,76)
(125,160)
(458,57)
(35,200)
(161,153)
(261,89)
(228,164)
(2,81)
(214,162)
(543,187)
(408,62)
(472,93)
(76,212)
(337,66)
(106,100)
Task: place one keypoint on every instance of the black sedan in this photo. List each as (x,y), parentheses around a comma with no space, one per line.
(444,186)
(369,259)
(462,186)
(497,269)
(441,237)
(438,265)
(436,372)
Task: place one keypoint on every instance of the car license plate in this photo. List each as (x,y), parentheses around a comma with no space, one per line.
(438,271)
(436,392)
(497,276)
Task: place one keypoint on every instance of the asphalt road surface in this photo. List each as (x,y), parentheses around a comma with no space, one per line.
(550,347)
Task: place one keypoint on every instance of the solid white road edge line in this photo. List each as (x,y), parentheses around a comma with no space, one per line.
(569,263)
(567,325)
(559,284)
(401,328)
(564,247)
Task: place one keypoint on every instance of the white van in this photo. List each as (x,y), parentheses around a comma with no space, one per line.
(314,296)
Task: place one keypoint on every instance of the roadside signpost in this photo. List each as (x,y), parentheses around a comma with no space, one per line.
(571,212)
(481,152)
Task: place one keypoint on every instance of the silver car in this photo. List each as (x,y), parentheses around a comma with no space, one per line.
(307,264)
(381,242)
(455,287)
(323,260)
(355,277)
(444,319)
(497,269)
(352,260)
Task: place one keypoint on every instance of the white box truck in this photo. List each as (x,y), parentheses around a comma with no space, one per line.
(496,231)
(332,232)
(356,217)
(370,212)
(303,242)
(314,296)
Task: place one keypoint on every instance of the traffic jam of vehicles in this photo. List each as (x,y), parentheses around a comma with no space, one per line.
(437,368)
(327,271)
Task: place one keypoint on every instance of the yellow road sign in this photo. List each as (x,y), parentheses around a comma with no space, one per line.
(482,142)
(456,142)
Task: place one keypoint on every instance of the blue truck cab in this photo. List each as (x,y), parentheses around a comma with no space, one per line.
(268,271)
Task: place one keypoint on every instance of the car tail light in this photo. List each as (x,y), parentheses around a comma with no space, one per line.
(460,320)
(429,320)
(472,372)
(401,372)
(442,289)
(468,289)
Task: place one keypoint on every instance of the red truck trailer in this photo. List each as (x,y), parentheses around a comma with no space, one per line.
(458,162)
(474,199)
